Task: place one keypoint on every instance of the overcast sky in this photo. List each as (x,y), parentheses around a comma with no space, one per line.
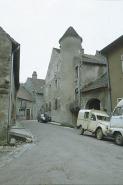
(39,24)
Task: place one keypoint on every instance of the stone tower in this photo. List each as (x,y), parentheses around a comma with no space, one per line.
(70,44)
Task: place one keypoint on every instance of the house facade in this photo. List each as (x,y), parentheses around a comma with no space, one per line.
(69,73)
(35,87)
(25,105)
(114,57)
(9,81)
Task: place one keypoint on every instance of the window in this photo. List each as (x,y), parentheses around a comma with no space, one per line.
(21,112)
(122,62)
(103,118)
(93,117)
(56,104)
(23,102)
(50,106)
(119,99)
(118,111)
(86,115)
(56,84)
(50,88)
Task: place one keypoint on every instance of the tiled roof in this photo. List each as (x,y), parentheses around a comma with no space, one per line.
(92,59)
(114,44)
(9,36)
(37,84)
(70,32)
(99,83)
(24,94)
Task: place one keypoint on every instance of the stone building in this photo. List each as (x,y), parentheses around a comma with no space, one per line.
(74,80)
(26,104)
(114,57)
(35,87)
(9,81)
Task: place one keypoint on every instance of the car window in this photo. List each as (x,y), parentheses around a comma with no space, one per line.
(103,118)
(93,117)
(86,115)
(118,111)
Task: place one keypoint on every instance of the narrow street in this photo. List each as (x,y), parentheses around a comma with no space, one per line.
(59,155)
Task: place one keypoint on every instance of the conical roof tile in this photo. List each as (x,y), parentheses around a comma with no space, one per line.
(70,32)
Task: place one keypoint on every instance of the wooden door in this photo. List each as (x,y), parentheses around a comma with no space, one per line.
(27,114)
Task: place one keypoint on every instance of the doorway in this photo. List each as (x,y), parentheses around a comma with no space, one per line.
(27,114)
(93,104)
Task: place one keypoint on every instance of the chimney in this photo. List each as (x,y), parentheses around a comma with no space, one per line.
(34,75)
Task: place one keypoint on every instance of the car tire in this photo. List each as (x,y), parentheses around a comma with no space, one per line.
(99,134)
(81,130)
(119,139)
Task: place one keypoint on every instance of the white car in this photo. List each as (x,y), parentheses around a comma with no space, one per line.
(94,121)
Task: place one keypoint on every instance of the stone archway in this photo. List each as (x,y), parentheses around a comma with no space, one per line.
(93,104)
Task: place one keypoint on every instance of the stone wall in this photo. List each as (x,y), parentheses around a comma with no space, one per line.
(5,65)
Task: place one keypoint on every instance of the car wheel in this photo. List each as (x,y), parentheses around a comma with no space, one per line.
(118,139)
(81,130)
(99,134)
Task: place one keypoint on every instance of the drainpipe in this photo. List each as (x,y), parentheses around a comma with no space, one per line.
(10,93)
(79,93)
(109,90)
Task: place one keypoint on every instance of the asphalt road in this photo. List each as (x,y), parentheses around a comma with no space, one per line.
(60,155)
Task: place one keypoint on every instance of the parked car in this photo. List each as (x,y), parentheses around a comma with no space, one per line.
(44,118)
(94,121)
(116,124)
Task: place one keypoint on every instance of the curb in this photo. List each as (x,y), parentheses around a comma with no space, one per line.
(21,131)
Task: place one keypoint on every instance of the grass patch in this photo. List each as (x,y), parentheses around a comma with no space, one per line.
(67,125)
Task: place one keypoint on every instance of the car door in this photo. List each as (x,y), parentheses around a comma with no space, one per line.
(92,123)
